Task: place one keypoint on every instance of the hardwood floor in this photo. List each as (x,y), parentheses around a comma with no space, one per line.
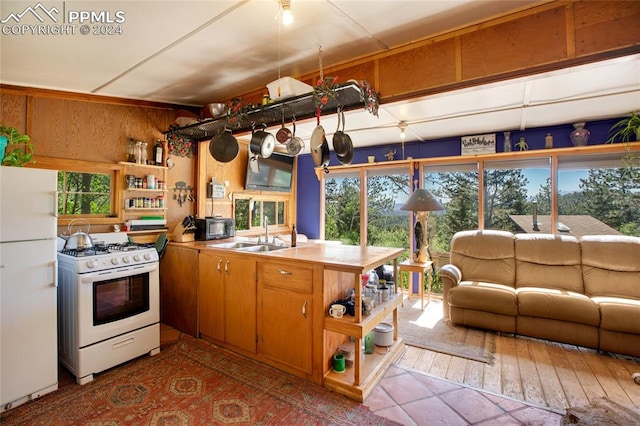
(541,372)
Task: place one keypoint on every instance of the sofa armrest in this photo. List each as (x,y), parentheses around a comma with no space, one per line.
(451,277)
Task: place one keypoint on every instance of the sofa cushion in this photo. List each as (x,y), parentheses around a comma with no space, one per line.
(619,314)
(486,256)
(557,305)
(483,296)
(611,265)
(548,261)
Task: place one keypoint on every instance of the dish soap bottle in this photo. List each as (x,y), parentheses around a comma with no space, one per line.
(294,235)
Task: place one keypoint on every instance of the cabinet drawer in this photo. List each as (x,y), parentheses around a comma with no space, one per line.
(287,276)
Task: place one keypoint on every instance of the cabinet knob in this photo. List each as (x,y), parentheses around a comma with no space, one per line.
(283,272)
(219,264)
(226,267)
(304,309)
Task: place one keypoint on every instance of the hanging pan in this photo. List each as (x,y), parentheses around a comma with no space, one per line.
(283,135)
(319,146)
(346,155)
(339,142)
(262,142)
(224,146)
(296,144)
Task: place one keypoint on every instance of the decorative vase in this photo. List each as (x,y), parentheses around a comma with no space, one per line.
(507,142)
(580,136)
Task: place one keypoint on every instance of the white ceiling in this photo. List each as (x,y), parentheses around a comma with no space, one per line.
(196,52)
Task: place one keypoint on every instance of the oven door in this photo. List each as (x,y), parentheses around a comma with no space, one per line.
(117,301)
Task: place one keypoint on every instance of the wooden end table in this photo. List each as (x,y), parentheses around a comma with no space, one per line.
(421,268)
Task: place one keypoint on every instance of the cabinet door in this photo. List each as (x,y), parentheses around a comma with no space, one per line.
(285,317)
(211,296)
(179,289)
(240,302)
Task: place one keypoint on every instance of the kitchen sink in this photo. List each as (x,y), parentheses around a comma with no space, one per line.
(232,245)
(261,247)
(247,246)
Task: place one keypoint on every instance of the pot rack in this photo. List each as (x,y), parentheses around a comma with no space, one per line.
(348,97)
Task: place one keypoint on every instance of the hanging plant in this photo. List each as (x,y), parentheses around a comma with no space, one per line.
(237,112)
(180,145)
(369,97)
(324,91)
(16,156)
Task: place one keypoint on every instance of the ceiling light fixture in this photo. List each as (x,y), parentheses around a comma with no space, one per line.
(287,14)
(402,126)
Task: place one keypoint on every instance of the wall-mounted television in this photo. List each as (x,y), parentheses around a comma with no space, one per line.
(274,173)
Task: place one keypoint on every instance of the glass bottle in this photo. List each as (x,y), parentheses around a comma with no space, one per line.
(294,235)
(138,153)
(158,153)
(507,142)
(131,151)
(144,153)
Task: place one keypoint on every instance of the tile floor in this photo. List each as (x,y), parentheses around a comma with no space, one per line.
(414,398)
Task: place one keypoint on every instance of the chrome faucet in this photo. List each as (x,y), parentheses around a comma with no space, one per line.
(266,229)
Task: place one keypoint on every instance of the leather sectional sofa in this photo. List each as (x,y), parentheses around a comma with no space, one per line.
(580,291)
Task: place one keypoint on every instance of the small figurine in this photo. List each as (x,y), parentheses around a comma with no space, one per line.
(522,144)
(390,154)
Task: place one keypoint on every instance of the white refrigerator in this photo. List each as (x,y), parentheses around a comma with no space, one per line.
(28,284)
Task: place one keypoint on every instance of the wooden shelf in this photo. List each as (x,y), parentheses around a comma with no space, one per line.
(372,368)
(146,166)
(140,209)
(348,325)
(148,231)
(158,191)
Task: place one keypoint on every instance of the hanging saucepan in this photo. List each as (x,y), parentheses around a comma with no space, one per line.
(283,135)
(296,144)
(346,156)
(79,240)
(339,143)
(262,142)
(320,147)
(224,146)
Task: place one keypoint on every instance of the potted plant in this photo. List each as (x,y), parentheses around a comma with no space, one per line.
(16,156)
(626,129)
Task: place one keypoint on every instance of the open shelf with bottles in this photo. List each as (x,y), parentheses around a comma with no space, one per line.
(139,199)
(358,379)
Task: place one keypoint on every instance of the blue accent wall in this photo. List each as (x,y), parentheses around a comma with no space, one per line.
(308,186)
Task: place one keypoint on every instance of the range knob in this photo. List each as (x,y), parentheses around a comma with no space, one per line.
(92,263)
(147,256)
(115,260)
(136,257)
(126,259)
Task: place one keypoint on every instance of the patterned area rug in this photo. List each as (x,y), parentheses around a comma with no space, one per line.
(193,383)
(429,330)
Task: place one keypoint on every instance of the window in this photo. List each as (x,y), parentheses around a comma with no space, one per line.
(512,189)
(456,187)
(598,196)
(250,212)
(342,207)
(387,191)
(84,193)
(87,189)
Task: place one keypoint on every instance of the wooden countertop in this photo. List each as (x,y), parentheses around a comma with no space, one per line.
(335,256)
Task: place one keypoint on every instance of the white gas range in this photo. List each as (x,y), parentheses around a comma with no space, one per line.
(108,304)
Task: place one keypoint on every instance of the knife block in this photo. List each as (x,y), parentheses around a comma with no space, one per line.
(182,235)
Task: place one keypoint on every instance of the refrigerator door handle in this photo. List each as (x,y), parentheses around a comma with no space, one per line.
(55,203)
(55,273)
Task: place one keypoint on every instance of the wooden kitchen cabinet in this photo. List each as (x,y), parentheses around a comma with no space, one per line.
(227,299)
(179,288)
(285,316)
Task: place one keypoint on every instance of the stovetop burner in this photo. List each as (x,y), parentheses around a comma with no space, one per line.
(105,249)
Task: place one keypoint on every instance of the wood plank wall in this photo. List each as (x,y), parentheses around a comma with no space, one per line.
(552,35)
